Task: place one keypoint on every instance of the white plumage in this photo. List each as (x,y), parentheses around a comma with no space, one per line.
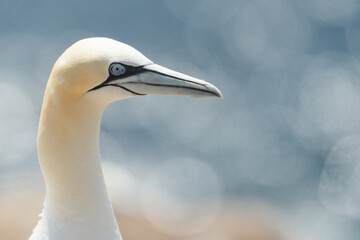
(87,77)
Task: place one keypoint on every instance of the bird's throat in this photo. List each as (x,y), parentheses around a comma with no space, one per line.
(68,149)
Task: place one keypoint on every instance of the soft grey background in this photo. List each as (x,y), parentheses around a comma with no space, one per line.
(286,132)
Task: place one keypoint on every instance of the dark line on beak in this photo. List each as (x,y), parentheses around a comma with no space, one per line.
(115,85)
(174,86)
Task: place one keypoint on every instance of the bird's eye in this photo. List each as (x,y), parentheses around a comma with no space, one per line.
(117,69)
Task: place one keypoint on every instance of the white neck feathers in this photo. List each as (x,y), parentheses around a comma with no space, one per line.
(77,205)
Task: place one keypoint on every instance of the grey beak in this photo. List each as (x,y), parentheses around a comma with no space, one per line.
(156,79)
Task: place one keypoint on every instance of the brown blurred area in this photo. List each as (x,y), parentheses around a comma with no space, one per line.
(19,212)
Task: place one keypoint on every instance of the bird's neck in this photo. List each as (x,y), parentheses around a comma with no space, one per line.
(77,205)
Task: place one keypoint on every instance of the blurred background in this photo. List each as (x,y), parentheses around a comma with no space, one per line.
(277,158)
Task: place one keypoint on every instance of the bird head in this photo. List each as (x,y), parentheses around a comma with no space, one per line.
(108,70)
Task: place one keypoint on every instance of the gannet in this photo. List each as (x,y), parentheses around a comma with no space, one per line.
(89,76)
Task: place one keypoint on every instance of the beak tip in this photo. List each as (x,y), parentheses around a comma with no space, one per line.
(219,95)
(214,90)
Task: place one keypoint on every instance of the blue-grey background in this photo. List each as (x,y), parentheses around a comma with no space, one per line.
(286,132)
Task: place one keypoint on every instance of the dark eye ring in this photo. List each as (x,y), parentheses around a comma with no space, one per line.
(117,69)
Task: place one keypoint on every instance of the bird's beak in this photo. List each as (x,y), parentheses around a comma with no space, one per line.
(155,79)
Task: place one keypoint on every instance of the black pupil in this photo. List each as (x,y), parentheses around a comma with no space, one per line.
(116,69)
